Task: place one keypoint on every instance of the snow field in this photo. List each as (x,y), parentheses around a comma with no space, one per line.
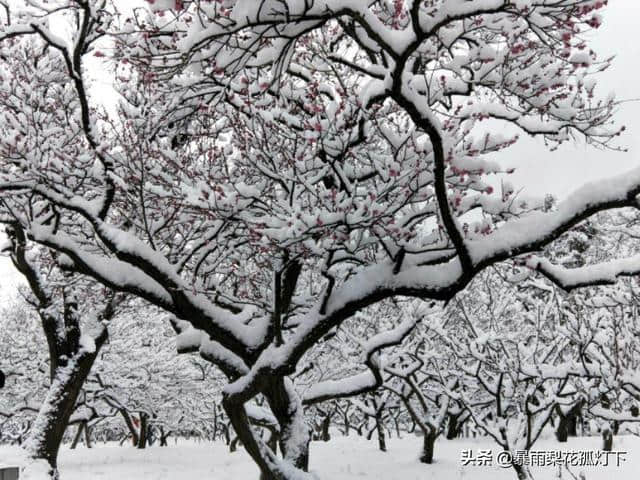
(343,458)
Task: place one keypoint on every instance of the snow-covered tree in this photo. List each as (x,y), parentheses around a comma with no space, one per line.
(603,326)
(420,375)
(24,364)
(275,167)
(150,392)
(512,363)
(74,332)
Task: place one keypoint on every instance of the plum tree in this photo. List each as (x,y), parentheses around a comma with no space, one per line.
(274,167)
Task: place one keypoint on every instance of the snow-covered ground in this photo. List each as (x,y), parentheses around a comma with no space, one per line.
(341,459)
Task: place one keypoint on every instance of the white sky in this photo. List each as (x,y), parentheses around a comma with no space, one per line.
(561,171)
(567,168)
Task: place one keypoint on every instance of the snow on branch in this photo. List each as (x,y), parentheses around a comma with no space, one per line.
(190,339)
(365,381)
(606,273)
(535,230)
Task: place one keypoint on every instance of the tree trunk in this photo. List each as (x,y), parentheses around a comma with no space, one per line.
(413,426)
(326,423)
(259,452)
(453,427)
(151,436)
(142,440)
(87,435)
(295,433)
(163,437)
(129,423)
(572,426)
(370,433)
(397,425)
(567,423)
(428,443)
(77,436)
(70,358)
(607,439)
(233,444)
(522,471)
(382,444)
(45,437)
(615,427)
(272,441)
(347,424)
(562,431)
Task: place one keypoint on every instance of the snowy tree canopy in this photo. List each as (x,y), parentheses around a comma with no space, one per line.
(275,167)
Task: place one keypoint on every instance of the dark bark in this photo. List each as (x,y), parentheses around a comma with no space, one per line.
(233,444)
(325,436)
(272,443)
(413,426)
(397,425)
(238,417)
(562,431)
(151,436)
(77,436)
(164,436)
(70,360)
(294,433)
(46,436)
(144,431)
(87,435)
(382,443)
(572,427)
(370,433)
(215,420)
(129,423)
(454,426)
(273,439)
(567,423)
(290,417)
(428,443)
(607,439)
(347,422)
(522,472)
